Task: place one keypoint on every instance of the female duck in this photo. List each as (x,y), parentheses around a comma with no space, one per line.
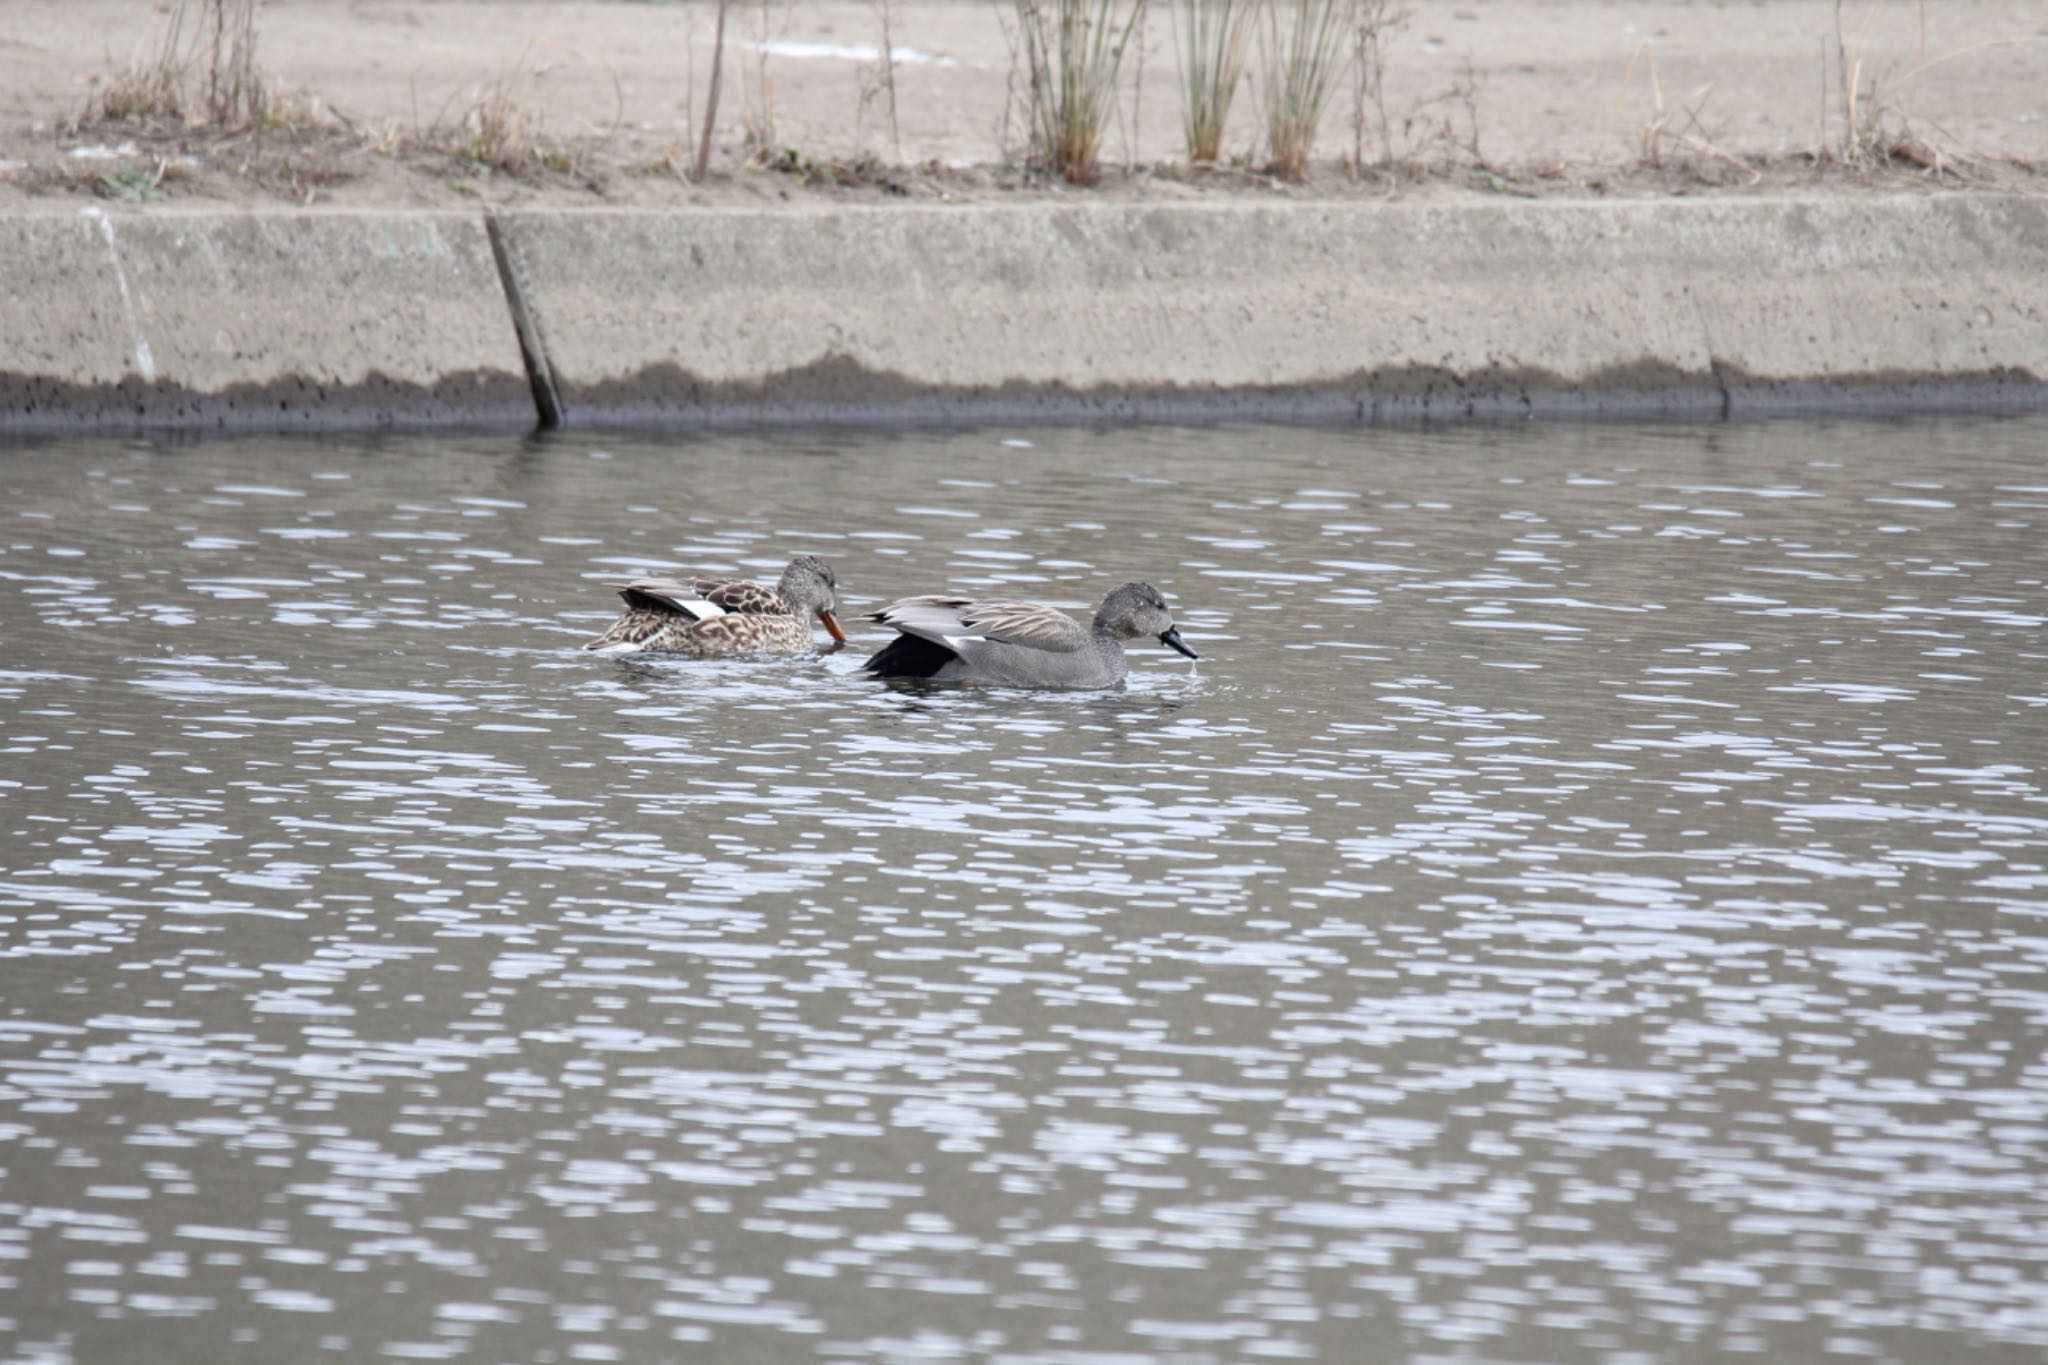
(712,617)
(1020,644)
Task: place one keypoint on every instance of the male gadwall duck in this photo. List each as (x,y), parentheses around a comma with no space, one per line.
(1019,644)
(710,617)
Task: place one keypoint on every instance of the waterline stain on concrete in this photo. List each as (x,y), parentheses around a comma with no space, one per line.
(36,404)
(837,390)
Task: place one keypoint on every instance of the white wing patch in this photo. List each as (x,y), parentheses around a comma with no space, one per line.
(955,641)
(699,608)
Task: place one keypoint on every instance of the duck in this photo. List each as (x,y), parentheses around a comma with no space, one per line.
(1020,644)
(713,617)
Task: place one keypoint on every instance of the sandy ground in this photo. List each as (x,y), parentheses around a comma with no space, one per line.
(1519,96)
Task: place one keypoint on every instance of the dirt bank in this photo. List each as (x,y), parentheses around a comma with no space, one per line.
(1528,97)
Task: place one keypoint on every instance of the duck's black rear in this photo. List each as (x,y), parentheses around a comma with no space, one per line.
(909,656)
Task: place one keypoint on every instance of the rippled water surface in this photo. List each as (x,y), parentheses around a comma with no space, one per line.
(1587,904)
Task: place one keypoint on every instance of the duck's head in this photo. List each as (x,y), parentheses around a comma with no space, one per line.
(1137,609)
(808,585)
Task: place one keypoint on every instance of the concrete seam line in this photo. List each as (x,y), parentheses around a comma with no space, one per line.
(532,346)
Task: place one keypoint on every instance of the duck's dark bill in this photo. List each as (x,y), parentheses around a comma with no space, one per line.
(1172,640)
(832,626)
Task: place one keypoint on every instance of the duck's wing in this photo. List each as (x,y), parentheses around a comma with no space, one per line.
(672,597)
(1027,624)
(959,623)
(740,597)
(653,605)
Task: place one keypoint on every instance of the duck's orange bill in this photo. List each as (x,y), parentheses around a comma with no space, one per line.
(832,627)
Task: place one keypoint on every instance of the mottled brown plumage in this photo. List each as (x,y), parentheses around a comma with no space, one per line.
(710,617)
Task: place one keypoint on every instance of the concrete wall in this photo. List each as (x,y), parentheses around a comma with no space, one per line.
(204,319)
(1024,309)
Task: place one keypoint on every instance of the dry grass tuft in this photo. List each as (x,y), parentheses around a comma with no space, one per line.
(204,72)
(1878,125)
(1072,51)
(502,132)
(146,92)
(1214,37)
(292,112)
(1303,60)
(139,94)
(1682,127)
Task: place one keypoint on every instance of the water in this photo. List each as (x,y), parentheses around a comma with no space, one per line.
(1588,903)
